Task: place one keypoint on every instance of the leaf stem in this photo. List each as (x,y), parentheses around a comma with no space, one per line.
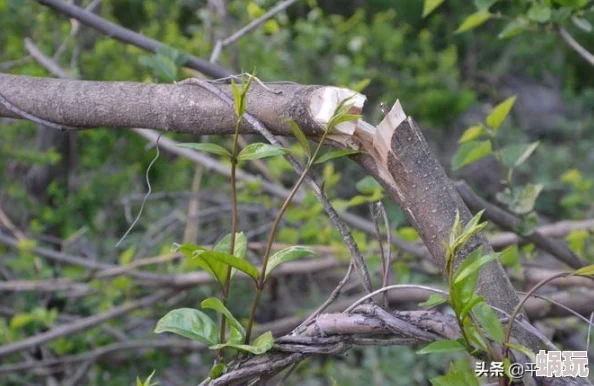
(227,286)
(272,235)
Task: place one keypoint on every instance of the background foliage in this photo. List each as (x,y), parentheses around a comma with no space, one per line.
(447,81)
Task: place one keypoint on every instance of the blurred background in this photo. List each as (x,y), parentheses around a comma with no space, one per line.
(77,194)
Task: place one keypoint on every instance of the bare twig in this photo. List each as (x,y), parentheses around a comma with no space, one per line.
(281,6)
(127,36)
(509,222)
(577,47)
(82,324)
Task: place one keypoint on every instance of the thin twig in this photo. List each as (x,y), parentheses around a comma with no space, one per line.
(257,22)
(83,324)
(333,296)
(127,36)
(577,47)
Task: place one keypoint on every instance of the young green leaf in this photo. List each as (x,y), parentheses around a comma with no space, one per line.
(147,381)
(473,223)
(259,346)
(260,150)
(240,248)
(539,13)
(514,28)
(442,346)
(333,154)
(189,323)
(522,200)
(457,375)
(474,20)
(515,155)
(489,321)
(287,254)
(469,305)
(217,305)
(207,147)
(585,271)
(434,300)
(298,133)
(470,152)
(430,6)
(215,268)
(582,23)
(236,98)
(472,133)
(217,370)
(464,291)
(523,349)
(476,265)
(500,112)
(210,257)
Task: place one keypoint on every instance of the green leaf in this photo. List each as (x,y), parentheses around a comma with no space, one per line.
(206,147)
(459,374)
(522,200)
(178,57)
(189,323)
(442,346)
(361,85)
(162,67)
(147,382)
(474,266)
(434,300)
(515,155)
(259,346)
(582,23)
(217,305)
(236,97)
(471,226)
(298,133)
(368,185)
(585,271)
(474,20)
(211,257)
(217,370)
(470,152)
(215,268)
(469,305)
(514,28)
(524,350)
(287,254)
(335,154)
(464,291)
(500,112)
(260,150)
(430,6)
(239,249)
(489,321)
(484,4)
(539,13)
(472,133)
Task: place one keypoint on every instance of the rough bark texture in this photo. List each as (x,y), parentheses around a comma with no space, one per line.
(177,108)
(401,160)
